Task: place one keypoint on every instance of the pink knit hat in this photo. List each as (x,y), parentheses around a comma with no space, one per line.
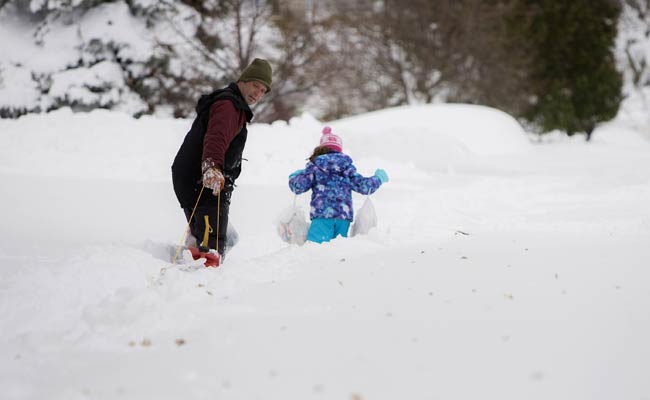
(330,140)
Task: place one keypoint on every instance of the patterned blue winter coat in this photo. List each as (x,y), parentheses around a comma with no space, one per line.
(332,177)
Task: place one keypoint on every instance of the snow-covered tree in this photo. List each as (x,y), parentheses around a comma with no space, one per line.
(575,77)
(143,56)
(634,59)
(81,54)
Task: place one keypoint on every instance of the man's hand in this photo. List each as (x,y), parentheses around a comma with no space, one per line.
(212,177)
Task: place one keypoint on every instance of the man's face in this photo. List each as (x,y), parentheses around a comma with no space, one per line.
(252,91)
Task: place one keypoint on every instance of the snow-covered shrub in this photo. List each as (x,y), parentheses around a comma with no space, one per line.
(145,56)
(81,54)
(633,49)
(19,92)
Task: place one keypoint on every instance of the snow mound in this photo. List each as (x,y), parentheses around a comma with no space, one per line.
(433,135)
(426,138)
(98,144)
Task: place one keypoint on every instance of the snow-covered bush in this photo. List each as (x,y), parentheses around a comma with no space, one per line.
(82,54)
(633,49)
(144,56)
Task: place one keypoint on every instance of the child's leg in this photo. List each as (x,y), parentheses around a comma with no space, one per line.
(321,230)
(341,227)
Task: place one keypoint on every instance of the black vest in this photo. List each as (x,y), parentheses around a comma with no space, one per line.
(186,169)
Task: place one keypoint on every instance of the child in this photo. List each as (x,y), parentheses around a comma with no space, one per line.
(331,176)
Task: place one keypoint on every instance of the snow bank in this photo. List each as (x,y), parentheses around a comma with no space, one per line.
(434,136)
(408,140)
(98,144)
(83,144)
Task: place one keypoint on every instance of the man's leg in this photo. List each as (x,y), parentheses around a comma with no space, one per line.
(190,239)
(203,225)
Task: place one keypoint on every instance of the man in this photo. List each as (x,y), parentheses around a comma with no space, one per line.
(209,160)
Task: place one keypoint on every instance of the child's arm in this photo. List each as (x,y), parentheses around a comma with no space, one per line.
(301,181)
(361,184)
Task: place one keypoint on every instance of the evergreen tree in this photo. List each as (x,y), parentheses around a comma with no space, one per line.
(575,81)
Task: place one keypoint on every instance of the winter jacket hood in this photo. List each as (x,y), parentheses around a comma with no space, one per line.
(333,162)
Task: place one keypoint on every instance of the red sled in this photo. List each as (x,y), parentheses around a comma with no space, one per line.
(211,259)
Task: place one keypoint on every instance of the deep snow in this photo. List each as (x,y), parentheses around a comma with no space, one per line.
(500,268)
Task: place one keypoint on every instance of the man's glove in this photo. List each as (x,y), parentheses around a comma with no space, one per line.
(296,173)
(382,175)
(212,177)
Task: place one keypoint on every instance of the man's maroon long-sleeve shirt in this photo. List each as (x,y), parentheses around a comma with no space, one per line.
(223,125)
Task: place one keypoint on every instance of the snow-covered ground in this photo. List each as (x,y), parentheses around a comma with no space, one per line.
(500,269)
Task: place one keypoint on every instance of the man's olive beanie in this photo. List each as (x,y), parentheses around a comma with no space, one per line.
(259,70)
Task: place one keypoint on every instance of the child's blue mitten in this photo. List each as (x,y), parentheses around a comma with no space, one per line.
(296,173)
(382,175)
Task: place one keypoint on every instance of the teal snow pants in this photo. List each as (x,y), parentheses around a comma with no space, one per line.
(325,229)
